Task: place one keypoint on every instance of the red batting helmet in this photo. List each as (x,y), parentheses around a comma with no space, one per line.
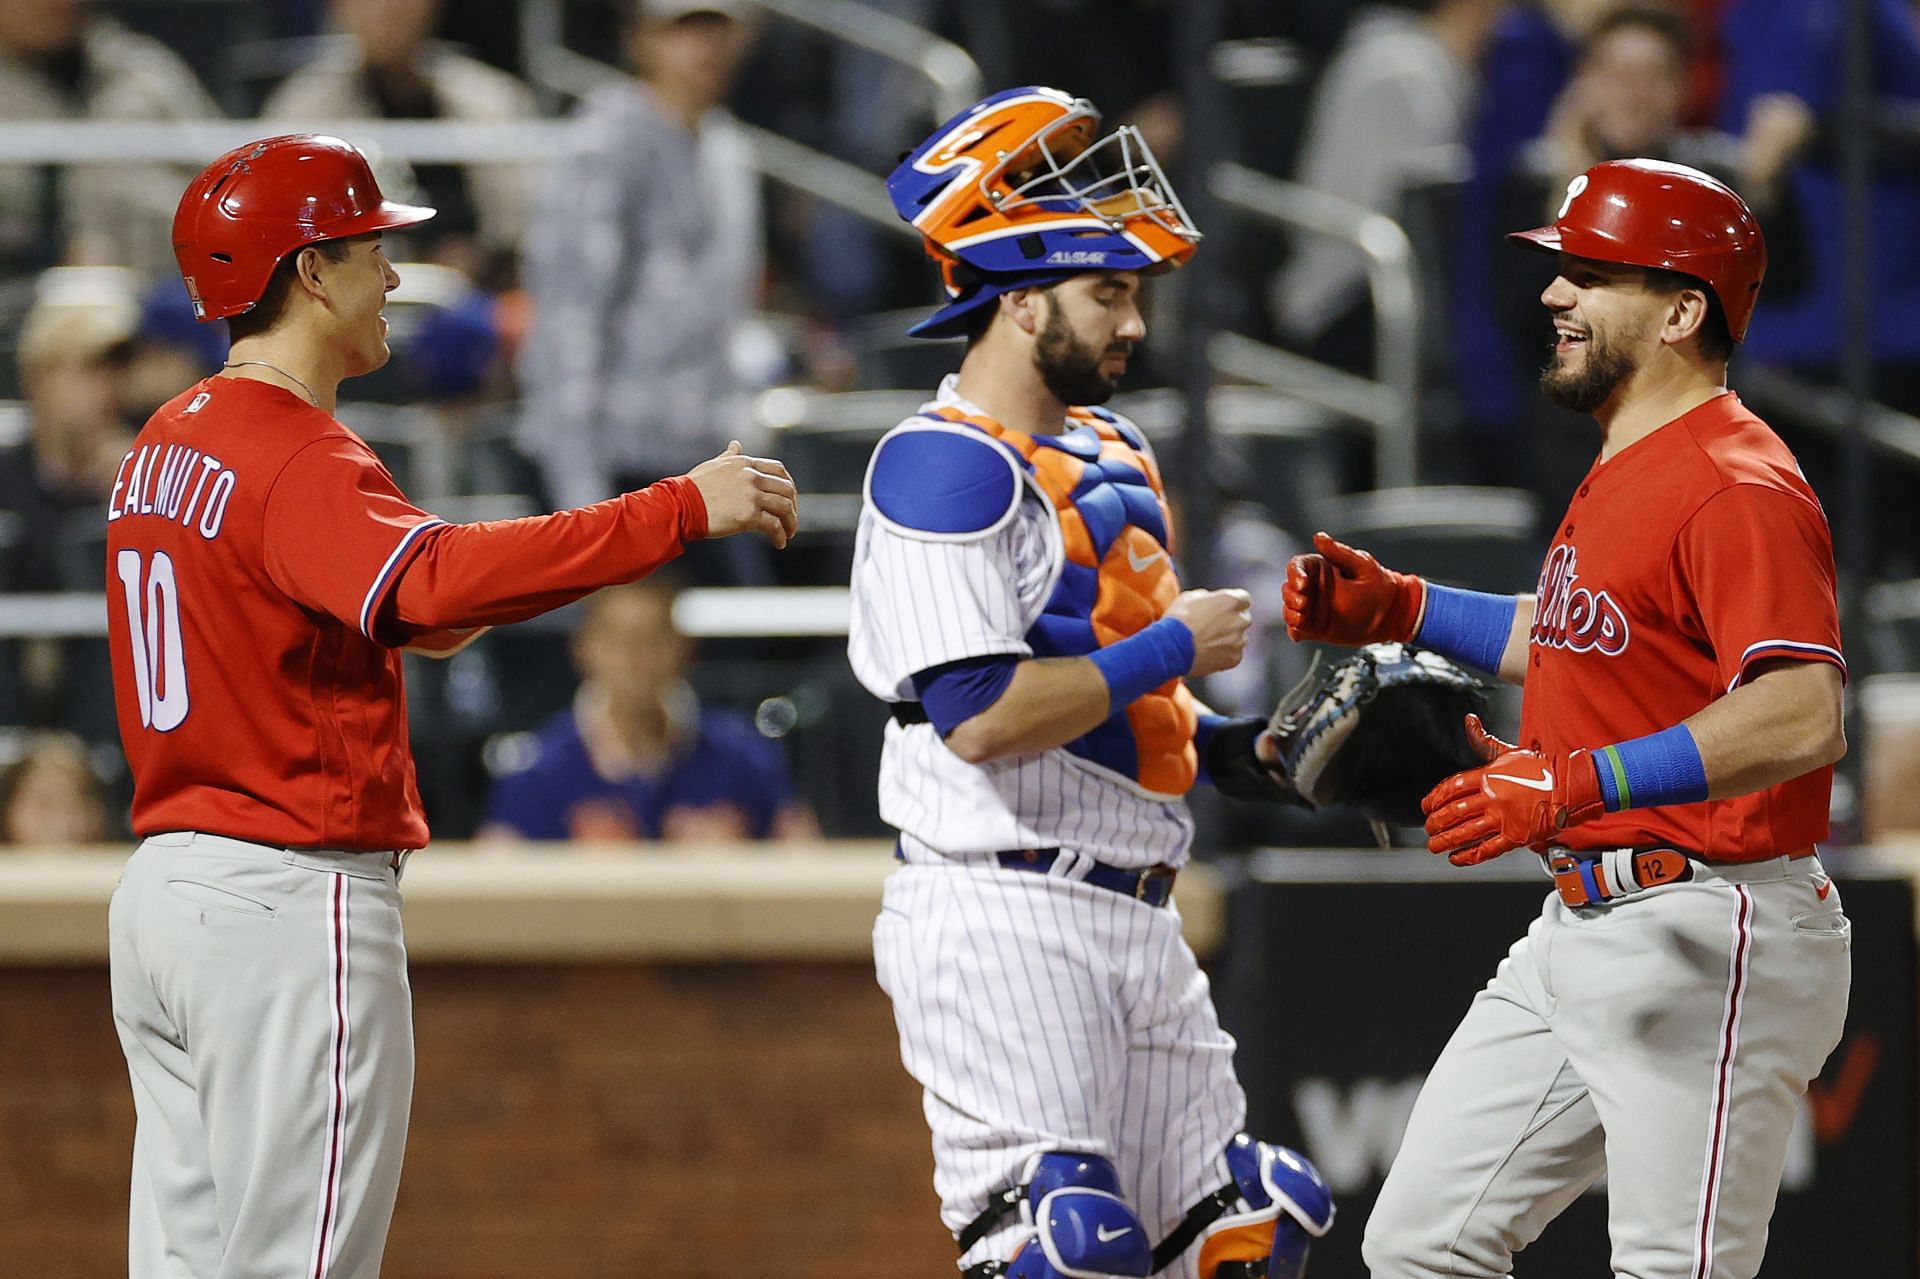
(260,202)
(1656,214)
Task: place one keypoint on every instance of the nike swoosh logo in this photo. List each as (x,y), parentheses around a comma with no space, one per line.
(1531,783)
(1101,1233)
(1821,887)
(1141,562)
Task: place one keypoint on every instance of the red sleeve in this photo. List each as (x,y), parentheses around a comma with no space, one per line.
(338,530)
(509,570)
(1757,562)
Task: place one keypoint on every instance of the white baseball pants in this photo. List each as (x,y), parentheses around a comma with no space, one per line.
(261,999)
(1664,1040)
(1041,1013)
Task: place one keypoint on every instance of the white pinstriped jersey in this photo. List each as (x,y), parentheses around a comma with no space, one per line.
(922,600)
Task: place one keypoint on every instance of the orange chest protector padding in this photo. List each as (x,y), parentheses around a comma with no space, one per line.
(1118,578)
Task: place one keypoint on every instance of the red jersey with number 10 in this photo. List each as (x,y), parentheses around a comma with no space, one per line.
(1683,561)
(251,541)
(262,565)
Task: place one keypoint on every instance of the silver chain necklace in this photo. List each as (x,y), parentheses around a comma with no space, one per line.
(311,397)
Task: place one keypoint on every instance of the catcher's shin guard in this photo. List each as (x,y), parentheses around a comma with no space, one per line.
(1078,1225)
(1259,1225)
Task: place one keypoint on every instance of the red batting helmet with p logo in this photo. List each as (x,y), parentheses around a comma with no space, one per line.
(1655,214)
(260,202)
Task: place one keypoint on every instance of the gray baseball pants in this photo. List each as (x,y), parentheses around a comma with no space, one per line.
(1665,1040)
(261,999)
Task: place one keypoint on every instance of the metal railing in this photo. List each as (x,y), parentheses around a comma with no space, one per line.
(193,143)
(719,612)
(949,69)
(1390,400)
(1828,409)
(950,72)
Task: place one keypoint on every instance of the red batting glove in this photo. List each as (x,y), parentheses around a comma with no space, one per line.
(1344,596)
(1517,799)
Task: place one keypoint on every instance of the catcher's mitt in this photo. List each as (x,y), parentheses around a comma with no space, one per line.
(1377,731)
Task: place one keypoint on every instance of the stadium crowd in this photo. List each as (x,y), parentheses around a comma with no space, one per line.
(568,330)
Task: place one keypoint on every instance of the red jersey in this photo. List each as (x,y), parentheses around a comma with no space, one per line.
(1682,561)
(263,568)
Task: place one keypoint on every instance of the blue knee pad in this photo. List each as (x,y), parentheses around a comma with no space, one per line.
(1259,1225)
(1082,1228)
(1281,1186)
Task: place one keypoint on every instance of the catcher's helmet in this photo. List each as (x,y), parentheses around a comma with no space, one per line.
(260,202)
(1656,214)
(1016,191)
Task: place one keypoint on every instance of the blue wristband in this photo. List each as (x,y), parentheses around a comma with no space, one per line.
(1203,730)
(1647,772)
(1144,661)
(1469,626)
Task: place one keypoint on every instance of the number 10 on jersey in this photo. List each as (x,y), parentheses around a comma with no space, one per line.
(153,638)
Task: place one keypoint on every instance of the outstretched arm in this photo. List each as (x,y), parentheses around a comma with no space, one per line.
(1338,594)
(1513,658)
(473,575)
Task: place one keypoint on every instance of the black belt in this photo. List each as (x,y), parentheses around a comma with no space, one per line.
(1154,885)
(908,713)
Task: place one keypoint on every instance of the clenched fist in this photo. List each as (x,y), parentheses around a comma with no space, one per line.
(744,494)
(1219,622)
(1344,596)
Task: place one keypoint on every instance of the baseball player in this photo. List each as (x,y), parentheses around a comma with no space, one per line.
(1682,710)
(268,572)
(1014,600)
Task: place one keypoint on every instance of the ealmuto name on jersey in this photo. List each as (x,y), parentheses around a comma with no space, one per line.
(1575,617)
(173,482)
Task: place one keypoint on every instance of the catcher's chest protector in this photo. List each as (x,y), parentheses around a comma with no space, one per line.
(1118,579)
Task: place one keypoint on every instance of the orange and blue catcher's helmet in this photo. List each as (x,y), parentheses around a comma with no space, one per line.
(1020,190)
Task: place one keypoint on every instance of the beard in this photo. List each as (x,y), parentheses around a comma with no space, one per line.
(1069,367)
(1588,385)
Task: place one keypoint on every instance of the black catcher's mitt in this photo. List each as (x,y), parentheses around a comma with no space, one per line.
(1376,731)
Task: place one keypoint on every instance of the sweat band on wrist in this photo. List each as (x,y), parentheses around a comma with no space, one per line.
(1469,626)
(1203,730)
(1144,661)
(1646,772)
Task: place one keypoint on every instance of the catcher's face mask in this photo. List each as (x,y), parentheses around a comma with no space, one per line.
(1019,189)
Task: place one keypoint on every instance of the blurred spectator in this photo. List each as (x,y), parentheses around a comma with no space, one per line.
(1524,69)
(1401,85)
(637,757)
(878,108)
(643,260)
(386,68)
(1118,53)
(51,796)
(1626,97)
(73,353)
(59,61)
(1780,55)
(172,351)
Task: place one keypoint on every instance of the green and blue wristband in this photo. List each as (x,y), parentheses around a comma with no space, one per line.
(1649,772)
